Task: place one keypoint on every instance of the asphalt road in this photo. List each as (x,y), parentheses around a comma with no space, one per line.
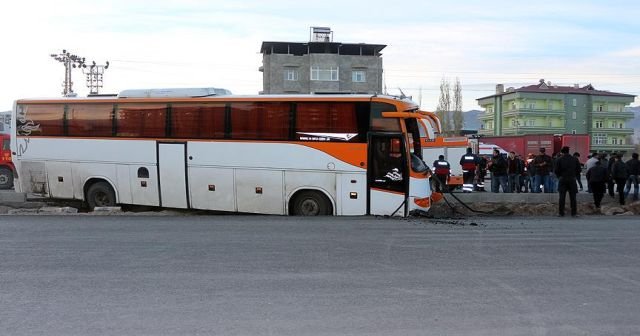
(268,275)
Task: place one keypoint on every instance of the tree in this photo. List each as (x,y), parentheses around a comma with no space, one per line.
(444,106)
(458,118)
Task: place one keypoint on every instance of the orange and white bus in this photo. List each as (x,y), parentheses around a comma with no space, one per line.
(269,154)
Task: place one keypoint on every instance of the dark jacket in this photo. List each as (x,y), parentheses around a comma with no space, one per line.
(633,167)
(567,167)
(542,164)
(597,174)
(619,170)
(498,166)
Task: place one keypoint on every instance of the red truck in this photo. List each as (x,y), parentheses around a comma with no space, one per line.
(7,169)
(531,143)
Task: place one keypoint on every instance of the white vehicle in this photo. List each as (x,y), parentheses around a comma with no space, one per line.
(486,149)
(284,154)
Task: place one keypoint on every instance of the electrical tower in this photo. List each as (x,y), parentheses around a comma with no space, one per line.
(94,76)
(69,61)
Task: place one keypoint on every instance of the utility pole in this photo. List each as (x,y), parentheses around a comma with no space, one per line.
(69,61)
(94,76)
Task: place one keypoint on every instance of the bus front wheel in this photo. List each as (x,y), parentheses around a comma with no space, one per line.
(311,203)
(101,194)
(6,178)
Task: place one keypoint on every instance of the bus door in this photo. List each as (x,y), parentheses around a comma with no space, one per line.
(172,174)
(387,175)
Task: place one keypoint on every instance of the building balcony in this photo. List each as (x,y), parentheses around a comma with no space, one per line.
(612,131)
(611,147)
(612,114)
(534,112)
(515,130)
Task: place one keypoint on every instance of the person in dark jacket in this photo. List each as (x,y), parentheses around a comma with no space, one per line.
(566,168)
(597,177)
(579,177)
(619,175)
(542,166)
(442,173)
(612,182)
(633,168)
(469,163)
(498,168)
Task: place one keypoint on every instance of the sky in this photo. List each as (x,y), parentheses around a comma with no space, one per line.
(190,43)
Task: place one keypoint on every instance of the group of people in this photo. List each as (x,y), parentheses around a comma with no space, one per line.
(549,174)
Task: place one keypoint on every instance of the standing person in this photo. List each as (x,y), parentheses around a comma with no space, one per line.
(579,177)
(619,175)
(542,166)
(589,164)
(442,173)
(553,178)
(530,173)
(633,168)
(611,183)
(498,168)
(513,171)
(567,168)
(469,163)
(596,178)
(482,173)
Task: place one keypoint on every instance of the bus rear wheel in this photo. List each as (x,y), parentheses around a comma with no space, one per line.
(6,178)
(101,194)
(311,203)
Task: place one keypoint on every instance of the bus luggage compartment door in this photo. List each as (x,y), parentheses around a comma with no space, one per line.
(172,175)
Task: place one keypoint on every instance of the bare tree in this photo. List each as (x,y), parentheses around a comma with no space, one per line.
(444,106)
(458,119)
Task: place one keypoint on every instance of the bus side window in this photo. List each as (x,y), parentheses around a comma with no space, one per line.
(143,172)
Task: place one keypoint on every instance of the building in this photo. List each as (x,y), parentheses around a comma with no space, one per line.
(552,109)
(321,66)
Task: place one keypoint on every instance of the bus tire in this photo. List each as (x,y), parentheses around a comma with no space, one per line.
(100,194)
(6,178)
(311,203)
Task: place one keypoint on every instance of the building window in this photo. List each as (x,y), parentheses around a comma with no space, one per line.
(613,124)
(319,74)
(490,109)
(513,106)
(290,74)
(600,108)
(531,122)
(575,102)
(599,124)
(481,126)
(358,76)
(599,138)
(573,131)
(532,106)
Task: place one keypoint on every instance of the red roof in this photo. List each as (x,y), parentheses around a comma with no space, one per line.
(551,88)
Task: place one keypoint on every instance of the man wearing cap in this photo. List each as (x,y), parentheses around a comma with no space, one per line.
(542,166)
(567,168)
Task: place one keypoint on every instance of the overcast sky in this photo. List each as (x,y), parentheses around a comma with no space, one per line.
(189,43)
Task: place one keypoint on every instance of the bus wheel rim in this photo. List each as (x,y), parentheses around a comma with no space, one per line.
(309,207)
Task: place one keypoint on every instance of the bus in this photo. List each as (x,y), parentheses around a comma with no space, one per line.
(268,154)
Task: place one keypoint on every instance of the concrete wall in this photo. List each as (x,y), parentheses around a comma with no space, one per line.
(274,66)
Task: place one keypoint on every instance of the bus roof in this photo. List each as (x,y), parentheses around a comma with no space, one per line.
(221,98)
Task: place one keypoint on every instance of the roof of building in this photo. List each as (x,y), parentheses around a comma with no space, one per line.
(303,48)
(547,87)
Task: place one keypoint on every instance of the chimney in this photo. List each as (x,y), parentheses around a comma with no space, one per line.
(499,88)
(576,86)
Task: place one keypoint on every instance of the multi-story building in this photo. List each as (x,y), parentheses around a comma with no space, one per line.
(552,109)
(321,66)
